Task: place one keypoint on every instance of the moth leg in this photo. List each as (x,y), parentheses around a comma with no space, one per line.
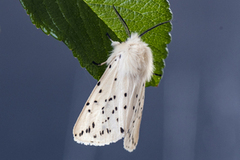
(114,43)
(160,75)
(109,37)
(99,64)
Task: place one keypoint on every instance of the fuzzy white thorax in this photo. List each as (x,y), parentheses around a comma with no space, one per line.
(136,58)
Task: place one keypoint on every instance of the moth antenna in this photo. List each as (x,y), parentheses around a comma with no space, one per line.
(153,28)
(123,22)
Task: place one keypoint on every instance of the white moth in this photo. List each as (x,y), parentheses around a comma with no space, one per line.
(114,108)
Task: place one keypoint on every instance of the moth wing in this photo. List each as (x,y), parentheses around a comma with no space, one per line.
(99,122)
(132,134)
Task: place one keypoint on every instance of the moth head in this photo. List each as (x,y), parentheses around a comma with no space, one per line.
(126,27)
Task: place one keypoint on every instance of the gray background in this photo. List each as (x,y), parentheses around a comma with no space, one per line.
(194,113)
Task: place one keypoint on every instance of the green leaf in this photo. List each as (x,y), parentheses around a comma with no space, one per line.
(82,26)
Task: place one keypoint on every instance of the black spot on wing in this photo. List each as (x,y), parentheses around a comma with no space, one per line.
(80,134)
(100,91)
(87,103)
(99,83)
(125,94)
(88,130)
(121,130)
